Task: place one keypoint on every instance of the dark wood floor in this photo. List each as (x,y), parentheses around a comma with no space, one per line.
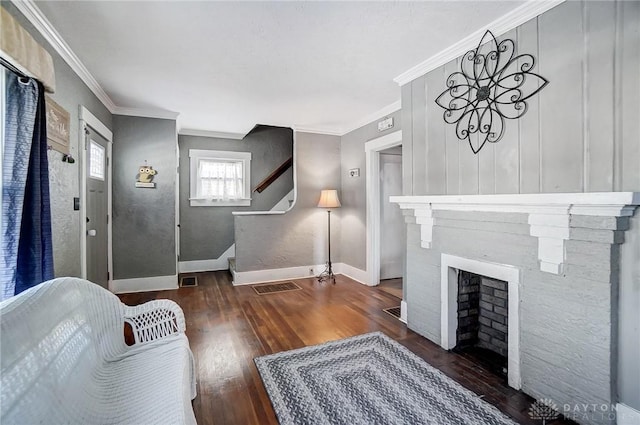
(391,286)
(228,326)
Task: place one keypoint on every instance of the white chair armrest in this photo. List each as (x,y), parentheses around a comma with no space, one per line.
(154,320)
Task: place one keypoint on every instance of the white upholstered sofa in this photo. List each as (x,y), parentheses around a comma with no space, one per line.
(64,359)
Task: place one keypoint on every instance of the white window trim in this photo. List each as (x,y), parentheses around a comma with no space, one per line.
(197,154)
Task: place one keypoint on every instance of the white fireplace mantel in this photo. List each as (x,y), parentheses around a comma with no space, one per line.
(548,214)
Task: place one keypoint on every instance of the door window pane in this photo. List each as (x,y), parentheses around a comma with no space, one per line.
(96,161)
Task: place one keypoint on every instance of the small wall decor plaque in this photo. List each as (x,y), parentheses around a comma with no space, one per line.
(57,126)
(493,84)
(145,176)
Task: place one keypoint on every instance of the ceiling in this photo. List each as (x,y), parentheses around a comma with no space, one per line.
(226,66)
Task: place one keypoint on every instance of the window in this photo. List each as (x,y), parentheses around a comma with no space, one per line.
(96,161)
(219,178)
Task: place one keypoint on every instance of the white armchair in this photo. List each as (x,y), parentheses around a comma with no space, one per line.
(155,320)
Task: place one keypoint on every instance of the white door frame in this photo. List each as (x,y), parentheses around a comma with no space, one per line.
(176,223)
(87,119)
(372,152)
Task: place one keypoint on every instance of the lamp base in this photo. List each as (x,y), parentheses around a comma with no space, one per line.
(327,274)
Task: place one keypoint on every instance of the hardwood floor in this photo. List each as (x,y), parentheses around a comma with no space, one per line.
(228,326)
(391,286)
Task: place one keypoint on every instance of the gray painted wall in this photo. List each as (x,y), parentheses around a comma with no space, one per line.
(144,219)
(354,191)
(298,237)
(65,178)
(207,232)
(581,134)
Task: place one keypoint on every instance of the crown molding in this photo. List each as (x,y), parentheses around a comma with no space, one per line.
(498,27)
(34,15)
(146,112)
(381,113)
(209,133)
(317,130)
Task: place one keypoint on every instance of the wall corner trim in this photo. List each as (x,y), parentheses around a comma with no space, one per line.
(503,24)
(144,284)
(627,415)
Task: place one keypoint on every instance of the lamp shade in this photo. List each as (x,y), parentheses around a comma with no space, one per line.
(329,199)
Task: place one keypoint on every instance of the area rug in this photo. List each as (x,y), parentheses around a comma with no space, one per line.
(368,379)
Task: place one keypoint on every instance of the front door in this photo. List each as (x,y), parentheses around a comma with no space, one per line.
(97,208)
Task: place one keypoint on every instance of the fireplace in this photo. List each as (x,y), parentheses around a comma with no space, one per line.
(560,257)
(483,325)
(480,313)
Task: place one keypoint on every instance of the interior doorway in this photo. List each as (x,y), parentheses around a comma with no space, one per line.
(392,233)
(373,149)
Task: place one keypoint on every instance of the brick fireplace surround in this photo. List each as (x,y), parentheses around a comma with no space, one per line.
(558,253)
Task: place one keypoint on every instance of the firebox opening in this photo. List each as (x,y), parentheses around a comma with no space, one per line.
(482,332)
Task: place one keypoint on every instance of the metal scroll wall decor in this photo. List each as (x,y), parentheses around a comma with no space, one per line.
(493,84)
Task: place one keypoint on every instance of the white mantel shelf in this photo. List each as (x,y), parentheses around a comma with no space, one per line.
(548,214)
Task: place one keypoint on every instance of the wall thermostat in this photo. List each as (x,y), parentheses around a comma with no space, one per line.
(385,124)
(354,172)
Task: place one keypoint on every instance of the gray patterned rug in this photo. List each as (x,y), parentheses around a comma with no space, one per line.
(368,379)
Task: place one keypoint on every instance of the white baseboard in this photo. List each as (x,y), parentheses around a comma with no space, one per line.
(627,415)
(352,272)
(403,311)
(274,275)
(221,263)
(144,284)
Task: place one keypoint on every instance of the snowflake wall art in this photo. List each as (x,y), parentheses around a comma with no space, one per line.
(493,84)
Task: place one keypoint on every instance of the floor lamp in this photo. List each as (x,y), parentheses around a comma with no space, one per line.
(328,199)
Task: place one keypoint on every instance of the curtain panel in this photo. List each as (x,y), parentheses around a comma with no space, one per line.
(21,104)
(221,180)
(35,247)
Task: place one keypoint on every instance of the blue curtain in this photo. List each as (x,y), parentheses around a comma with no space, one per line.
(21,101)
(35,249)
